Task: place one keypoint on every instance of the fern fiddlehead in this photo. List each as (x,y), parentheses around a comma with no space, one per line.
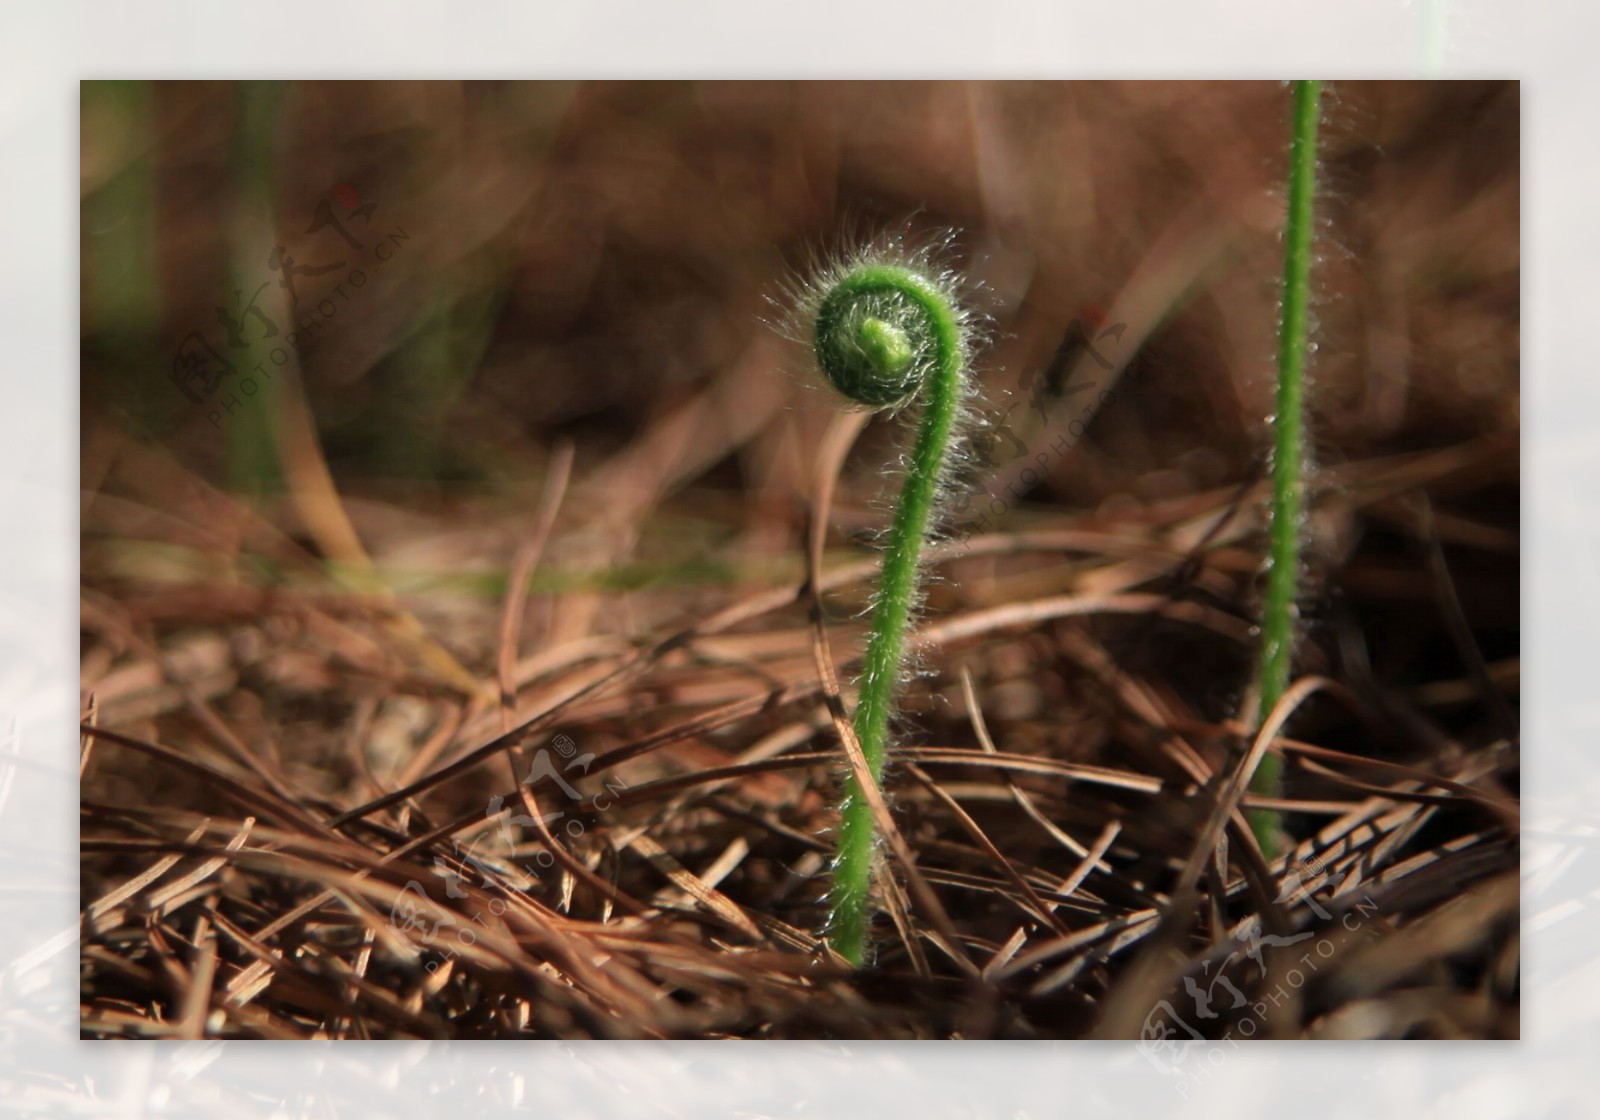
(888,329)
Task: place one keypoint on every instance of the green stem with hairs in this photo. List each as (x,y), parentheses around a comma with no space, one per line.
(1288,485)
(885,332)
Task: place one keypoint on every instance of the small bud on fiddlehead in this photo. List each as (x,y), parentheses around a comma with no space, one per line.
(881,331)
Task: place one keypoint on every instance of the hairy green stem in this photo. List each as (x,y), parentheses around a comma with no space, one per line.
(886,331)
(1278,618)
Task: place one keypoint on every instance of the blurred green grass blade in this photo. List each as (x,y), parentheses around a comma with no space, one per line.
(120,286)
(120,282)
(255,464)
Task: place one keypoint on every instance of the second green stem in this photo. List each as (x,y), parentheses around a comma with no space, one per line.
(1288,485)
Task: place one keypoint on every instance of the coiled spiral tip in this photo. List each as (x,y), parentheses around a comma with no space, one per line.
(880,330)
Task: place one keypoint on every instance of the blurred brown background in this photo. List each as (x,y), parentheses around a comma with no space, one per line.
(585,258)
